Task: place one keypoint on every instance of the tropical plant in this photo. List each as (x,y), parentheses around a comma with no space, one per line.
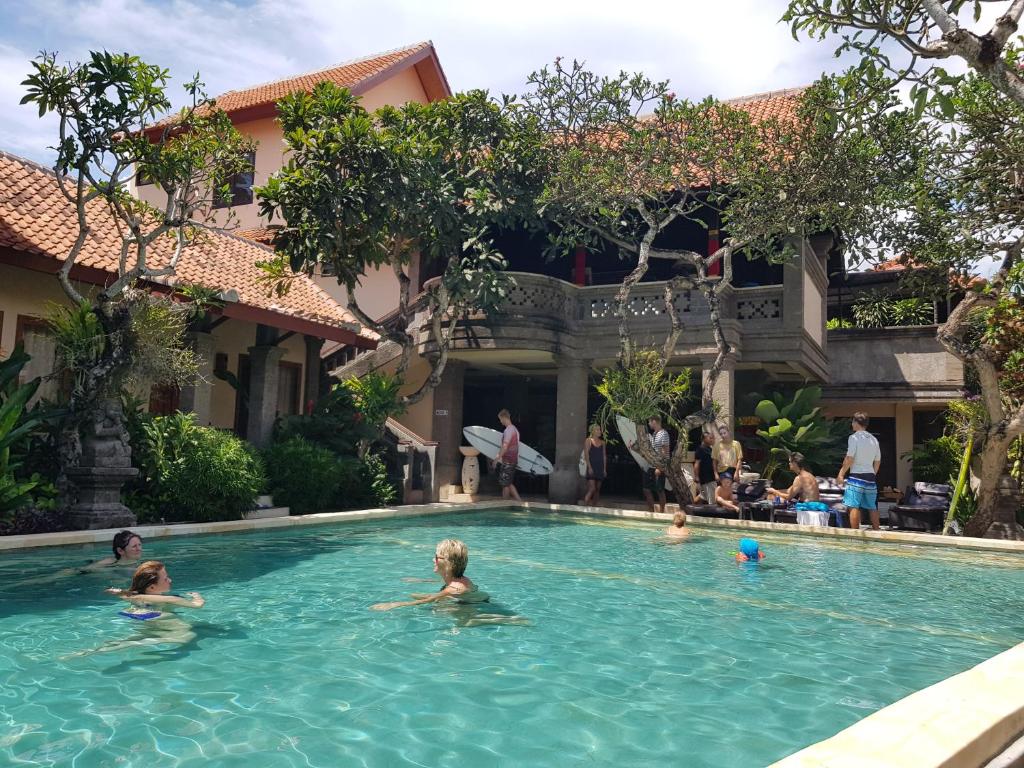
(190,472)
(798,426)
(17,423)
(957,208)
(934,461)
(643,388)
(106,109)
(374,473)
(376,396)
(882,311)
(365,191)
(836,323)
(335,424)
(302,476)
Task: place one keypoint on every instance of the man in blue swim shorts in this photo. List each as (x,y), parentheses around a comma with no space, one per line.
(863,458)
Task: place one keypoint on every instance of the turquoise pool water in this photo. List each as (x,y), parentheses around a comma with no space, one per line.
(637,654)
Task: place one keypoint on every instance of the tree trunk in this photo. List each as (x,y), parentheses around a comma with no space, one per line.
(991,466)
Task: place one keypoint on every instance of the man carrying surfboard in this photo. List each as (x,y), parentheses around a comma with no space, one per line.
(654,477)
(508,456)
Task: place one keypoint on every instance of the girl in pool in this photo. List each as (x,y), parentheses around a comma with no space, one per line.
(450,559)
(148,593)
(151,606)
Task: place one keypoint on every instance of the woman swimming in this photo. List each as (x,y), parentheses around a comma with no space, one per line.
(450,559)
(152,607)
(148,592)
(127,547)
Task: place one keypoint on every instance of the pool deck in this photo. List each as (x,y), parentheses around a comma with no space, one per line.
(965,721)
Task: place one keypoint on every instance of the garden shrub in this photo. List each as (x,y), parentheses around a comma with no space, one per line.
(303,476)
(937,460)
(189,472)
(364,483)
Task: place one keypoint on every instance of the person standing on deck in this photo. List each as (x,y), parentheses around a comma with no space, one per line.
(863,457)
(595,455)
(705,468)
(508,456)
(654,477)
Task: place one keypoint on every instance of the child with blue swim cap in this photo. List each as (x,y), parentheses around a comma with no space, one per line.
(750,551)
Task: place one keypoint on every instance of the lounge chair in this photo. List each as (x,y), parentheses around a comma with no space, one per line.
(924,507)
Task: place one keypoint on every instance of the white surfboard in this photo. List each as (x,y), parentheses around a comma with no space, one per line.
(488,442)
(627,429)
(583,465)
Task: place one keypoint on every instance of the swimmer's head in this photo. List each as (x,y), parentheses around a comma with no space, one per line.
(150,578)
(454,555)
(127,544)
(750,548)
(679,519)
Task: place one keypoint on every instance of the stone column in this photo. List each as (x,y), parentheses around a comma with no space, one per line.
(904,443)
(264,376)
(312,370)
(570,429)
(446,429)
(198,398)
(793,288)
(724,392)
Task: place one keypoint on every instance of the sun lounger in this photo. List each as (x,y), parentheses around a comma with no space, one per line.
(924,507)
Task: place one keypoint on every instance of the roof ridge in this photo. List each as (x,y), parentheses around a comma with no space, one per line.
(27,162)
(767,95)
(358,60)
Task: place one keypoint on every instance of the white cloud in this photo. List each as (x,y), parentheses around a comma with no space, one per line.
(727,48)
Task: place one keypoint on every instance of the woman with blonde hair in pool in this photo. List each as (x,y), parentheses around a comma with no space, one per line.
(451,557)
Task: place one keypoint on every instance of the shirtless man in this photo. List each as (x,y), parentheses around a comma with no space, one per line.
(805,485)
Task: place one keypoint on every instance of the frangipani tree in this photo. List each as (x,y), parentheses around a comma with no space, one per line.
(961,212)
(364,191)
(107,108)
(623,160)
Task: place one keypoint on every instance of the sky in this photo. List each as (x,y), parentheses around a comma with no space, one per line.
(725,48)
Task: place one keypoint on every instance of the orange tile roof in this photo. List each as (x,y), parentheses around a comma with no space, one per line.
(356,75)
(769,105)
(36,219)
(261,235)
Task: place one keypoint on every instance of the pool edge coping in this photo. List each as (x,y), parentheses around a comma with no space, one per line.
(963,721)
(64,538)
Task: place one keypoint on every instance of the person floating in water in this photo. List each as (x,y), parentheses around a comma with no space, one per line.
(678,530)
(127,547)
(148,592)
(750,552)
(464,600)
(451,557)
(152,607)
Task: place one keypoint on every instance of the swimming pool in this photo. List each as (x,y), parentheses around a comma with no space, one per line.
(637,654)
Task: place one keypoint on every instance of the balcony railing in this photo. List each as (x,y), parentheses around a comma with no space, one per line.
(539,297)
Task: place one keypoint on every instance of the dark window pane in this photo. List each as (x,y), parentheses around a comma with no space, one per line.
(240,187)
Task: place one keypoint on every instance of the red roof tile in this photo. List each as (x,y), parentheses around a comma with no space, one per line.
(769,105)
(36,219)
(356,75)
